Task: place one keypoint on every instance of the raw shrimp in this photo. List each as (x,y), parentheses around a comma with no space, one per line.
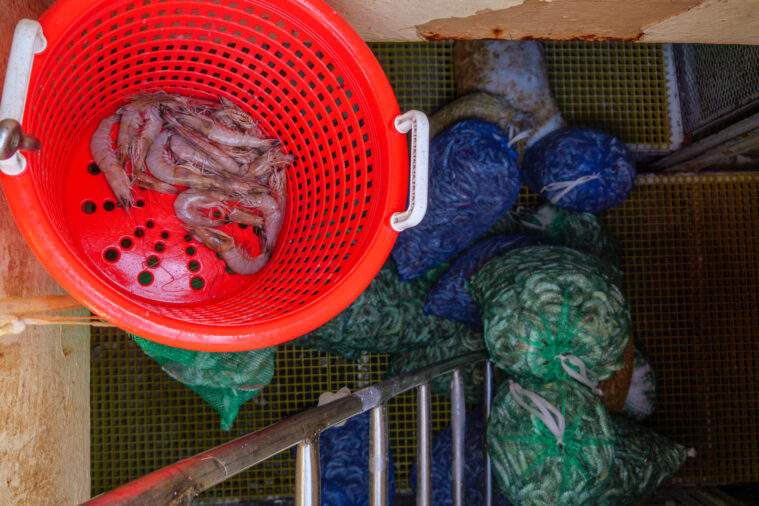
(266,163)
(148,182)
(233,254)
(223,135)
(192,207)
(273,221)
(128,128)
(232,113)
(149,130)
(272,207)
(104,154)
(163,167)
(227,163)
(185,151)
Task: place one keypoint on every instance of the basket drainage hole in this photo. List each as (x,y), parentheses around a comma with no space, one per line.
(159,246)
(89,207)
(190,250)
(108,206)
(140,203)
(145,278)
(111,255)
(139,232)
(126,243)
(194,266)
(188,237)
(93,169)
(150,224)
(153,261)
(197,283)
(164,235)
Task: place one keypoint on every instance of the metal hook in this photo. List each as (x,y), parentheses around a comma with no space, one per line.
(13,139)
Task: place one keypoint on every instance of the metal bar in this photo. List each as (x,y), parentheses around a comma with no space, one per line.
(189,477)
(487,396)
(307,482)
(378,459)
(458,426)
(720,154)
(697,148)
(423,409)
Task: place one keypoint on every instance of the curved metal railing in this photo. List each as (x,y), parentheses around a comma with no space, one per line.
(183,480)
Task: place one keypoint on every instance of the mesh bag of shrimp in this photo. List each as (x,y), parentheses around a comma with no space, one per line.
(549,313)
(550,443)
(224,380)
(474,180)
(386,318)
(643,460)
(465,340)
(450,297)
(440,468)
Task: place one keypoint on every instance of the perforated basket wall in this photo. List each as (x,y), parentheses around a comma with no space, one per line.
(303,74)
(691,276)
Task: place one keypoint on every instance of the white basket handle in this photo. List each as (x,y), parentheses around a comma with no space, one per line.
(417,123)
(28,40)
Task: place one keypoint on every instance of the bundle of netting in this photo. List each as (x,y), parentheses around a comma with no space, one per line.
(579,169)
(452,345)
(643,460)
(550,443)
(223,380)
(450,297)
(577,230)
(386,318)
(550,313)
(440,468)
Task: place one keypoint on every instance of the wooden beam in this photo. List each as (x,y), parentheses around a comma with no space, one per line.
(44,371)
(704,21)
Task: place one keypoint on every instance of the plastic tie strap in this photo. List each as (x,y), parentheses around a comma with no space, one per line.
(567,186)
(546,412)
(580,374)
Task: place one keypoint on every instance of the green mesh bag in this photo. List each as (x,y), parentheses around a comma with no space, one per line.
(464,341)
(580,231)
(223,380)
(386,318)
(550,444)
(549,313)
(642,461)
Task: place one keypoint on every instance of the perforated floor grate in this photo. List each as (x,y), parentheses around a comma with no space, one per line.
(691,245)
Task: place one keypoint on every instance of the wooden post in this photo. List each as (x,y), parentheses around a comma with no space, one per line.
(44,371)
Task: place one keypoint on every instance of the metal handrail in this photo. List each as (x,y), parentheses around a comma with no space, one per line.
(185,479)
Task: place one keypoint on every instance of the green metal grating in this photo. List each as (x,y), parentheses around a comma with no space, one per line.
(691,278)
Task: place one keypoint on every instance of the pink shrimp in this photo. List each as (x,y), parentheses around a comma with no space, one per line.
(223,135)
(192,207)
(266,163)
(149,130)
(227,163)
(164,168)
(128,128)
(148,182)
(272,207)
(233,254)
(185,151)
(106,158)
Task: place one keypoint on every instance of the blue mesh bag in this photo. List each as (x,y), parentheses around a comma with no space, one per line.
(474,180)
(579,169)
(474,467)
(450,298)
(344,463)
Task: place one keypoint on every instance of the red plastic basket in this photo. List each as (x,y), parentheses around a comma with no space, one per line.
(298,69)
